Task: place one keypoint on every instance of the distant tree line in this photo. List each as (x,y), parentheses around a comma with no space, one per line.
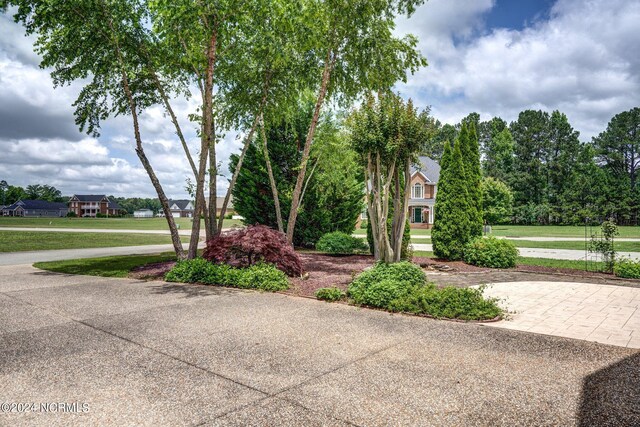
(554,177)
(10,194)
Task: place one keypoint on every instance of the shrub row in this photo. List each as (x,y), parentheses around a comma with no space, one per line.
(402,287)
(330,294)
(258,276)
(491,252)
(339,243)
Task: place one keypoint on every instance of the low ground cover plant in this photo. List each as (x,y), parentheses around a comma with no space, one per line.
(627,268)
(402,287)
(491,252)
(330,294)
(261,276)
(339,243)
(251,245)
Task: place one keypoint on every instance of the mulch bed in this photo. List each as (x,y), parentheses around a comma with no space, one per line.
(326,271)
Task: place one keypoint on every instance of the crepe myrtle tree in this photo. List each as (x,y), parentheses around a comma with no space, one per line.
(388,134)
(353,50)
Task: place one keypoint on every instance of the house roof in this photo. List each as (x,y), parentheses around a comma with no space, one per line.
(37,204)
(113,204)
(220,202)
(428,167)
(182,204)
(89,197)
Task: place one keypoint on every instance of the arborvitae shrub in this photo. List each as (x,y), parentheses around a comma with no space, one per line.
(251,245)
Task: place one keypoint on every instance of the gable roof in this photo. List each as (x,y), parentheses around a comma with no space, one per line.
(181,204)
(89,197)
(37,205)
(428,167)
(113,204)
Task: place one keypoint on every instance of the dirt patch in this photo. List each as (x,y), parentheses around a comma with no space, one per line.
(153,271)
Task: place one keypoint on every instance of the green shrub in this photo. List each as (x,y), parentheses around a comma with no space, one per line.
(491,252)
(627,268)
(258,276)
(339,243)
(330,294)
(402,287)
(449,302)
(364,224)
(101,215)
(71,214)
(404,273)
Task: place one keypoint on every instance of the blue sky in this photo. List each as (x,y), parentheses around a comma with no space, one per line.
(494,57)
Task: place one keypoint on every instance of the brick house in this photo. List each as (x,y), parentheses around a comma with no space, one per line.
(424,186)
(89,205)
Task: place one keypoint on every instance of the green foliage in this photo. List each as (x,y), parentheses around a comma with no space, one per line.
(71,214)
(497,201)
(404,272)
(339,243)
(473,176)
(604,244)
(406,253)
(259,276)
(330,294)
(402,287)
(627,268)
(491,252)
(333,197)
(449,303)
(452,225)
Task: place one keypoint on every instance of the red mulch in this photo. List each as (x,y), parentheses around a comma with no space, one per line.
(153,271)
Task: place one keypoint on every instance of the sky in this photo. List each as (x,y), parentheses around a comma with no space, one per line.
(494,57)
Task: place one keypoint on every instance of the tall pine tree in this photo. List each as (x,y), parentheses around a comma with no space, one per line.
(452,225)
(471,159)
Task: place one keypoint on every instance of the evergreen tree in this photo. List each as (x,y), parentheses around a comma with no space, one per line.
(452,225)
(498,155)
(471,157)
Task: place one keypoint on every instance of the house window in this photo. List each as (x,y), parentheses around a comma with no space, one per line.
(417,191)
(363,214)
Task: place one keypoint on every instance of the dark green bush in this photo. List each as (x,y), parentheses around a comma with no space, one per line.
(402,287)
(627,268)
(101,215)
(330,294)
(491,252)
(71,214)
(258,276)
(404,273)
(339,243)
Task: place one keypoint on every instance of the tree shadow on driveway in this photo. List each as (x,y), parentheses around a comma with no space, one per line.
(192,291)
(611,396)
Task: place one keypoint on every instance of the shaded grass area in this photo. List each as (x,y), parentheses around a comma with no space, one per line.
(18,241)
(107,223)
(115,266)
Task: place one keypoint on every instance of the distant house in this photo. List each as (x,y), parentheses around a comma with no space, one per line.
(220,202)
(181,208)
(89,205)
(143,213)
(35,208)
(424,184)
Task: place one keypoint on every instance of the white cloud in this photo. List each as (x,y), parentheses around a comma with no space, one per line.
(581,61)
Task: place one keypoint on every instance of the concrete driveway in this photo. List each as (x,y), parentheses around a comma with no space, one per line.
(125,352)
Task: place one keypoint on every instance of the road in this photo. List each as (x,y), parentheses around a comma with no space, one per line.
(157,354)
(29,257)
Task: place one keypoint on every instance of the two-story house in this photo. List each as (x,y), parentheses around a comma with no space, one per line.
(424,186)
(89,205)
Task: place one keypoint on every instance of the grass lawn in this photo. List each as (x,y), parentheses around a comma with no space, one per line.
(538,230)
(107,223)
(115,266)
(16,241)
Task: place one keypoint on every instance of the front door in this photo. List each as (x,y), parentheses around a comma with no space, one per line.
(417,214)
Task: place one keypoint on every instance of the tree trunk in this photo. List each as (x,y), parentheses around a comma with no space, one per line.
(272,181)
(401,205)
(211,224)
(295,200)
(164,202)
(206,142)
